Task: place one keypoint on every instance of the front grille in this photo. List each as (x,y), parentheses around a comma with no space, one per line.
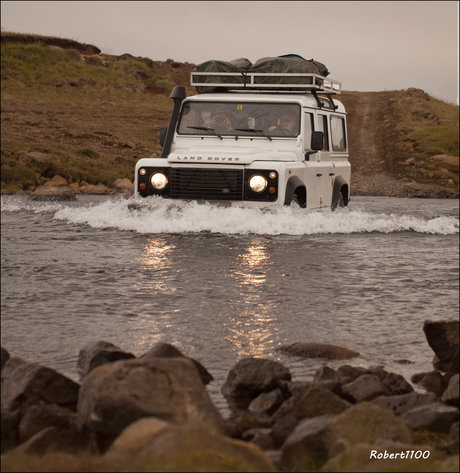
(206,184)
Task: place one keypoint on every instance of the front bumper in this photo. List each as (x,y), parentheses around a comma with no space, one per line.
(208,184)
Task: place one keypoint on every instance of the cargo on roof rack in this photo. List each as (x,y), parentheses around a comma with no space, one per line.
(282,73)
(264,81)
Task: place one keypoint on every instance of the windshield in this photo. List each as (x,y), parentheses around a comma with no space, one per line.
(240,119)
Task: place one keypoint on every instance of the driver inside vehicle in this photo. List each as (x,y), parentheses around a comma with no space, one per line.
(221,122)
(287,125)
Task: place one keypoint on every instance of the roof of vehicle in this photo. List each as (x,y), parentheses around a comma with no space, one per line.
(303,99)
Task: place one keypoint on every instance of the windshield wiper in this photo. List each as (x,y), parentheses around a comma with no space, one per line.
(209,130)
(259,132)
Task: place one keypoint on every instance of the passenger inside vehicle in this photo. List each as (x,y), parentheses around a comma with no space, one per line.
(286,125)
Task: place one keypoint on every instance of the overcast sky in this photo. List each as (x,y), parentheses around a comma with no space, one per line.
(368,46)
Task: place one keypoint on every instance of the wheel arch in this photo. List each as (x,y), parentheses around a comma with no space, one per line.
(340,187)
(295,186)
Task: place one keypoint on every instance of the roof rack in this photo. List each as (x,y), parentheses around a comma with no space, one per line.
(263,81)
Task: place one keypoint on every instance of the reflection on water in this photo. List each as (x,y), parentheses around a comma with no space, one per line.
(148,316)
(252,265)
(156,252)
(234,297)
(252,325)
(154,260)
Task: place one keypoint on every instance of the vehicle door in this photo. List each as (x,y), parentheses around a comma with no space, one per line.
(326,171)
(339,147)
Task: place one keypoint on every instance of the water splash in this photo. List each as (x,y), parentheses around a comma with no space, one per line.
(155,215)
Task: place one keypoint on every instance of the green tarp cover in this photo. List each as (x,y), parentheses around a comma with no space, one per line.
(239,66)
(283,64)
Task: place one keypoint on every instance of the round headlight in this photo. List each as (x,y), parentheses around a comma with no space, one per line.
(257,183)
(159,180)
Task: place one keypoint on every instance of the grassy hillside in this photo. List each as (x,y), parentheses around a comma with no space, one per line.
(423,127)
(96,114)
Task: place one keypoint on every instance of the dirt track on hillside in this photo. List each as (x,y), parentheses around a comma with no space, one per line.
(366,138)
(374,163)
(372,166)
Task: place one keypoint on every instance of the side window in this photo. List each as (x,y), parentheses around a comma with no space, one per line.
(338,134)
(308,129)
(322,126)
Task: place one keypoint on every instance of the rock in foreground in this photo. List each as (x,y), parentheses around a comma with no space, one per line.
(443,338)
(46,193)
(114,395)
(319,350)
(190,446)
(23,381)
(315,440)
(251,377)
(166,350)
(95,354)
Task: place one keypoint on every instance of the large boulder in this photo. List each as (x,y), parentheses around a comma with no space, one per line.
(318,401)
(435,416)
(311,401)
(364,388)
(305,448)
(316,439)
(268,403)
(400,404)
(56,181)
(250,377)
(114,395)
(451,163)
(122,185)
(190,446)
(318,350)
(46,193)
(95,354)
(443,338)
(136,436)
(35,160)
(91,189)
(395,383)
(365,422)
(166,350)
(23,381)
(432,381)
(282,428)
(450,395)
(39,415)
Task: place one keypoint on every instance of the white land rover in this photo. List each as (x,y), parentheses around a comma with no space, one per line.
(254,145)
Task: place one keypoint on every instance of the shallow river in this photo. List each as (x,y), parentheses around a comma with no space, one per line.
(221,283)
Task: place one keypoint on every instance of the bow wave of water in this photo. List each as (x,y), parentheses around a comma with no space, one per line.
(155,215)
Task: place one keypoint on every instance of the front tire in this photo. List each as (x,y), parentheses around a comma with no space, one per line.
(340,202)
(300,198)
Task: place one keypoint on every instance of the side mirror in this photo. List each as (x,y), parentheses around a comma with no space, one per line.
(317,139)
(163,132)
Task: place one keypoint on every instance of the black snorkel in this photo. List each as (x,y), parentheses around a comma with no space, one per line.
(166,136)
